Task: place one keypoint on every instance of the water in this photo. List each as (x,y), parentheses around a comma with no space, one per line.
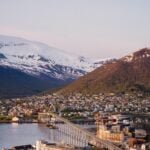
(21,134)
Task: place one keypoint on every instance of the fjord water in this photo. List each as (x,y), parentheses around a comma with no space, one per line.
(20,134)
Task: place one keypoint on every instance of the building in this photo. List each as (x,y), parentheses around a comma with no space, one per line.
(43,145)
(105,133)
(16,119)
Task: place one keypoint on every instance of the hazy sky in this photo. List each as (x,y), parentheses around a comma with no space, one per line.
(97,28)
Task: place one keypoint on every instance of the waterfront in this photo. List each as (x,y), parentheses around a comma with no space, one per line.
(20,134)
(14,134)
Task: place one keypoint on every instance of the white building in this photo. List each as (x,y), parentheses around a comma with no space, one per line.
(43,145)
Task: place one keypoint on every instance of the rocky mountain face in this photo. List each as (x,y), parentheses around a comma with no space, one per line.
(29,61)
(128,74)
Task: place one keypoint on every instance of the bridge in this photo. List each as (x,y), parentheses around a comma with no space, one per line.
(78,136)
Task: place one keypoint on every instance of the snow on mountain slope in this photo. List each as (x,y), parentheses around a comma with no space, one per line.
(36,58)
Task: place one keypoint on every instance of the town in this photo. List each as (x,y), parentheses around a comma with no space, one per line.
(74,106)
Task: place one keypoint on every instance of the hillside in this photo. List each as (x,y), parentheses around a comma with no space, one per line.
(128,74)
(14,83)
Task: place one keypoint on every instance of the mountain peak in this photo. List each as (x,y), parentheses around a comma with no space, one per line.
(140,54)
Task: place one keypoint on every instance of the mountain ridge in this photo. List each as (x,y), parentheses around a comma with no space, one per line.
(127,74)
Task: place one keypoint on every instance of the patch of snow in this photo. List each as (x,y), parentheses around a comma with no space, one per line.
(147,55)
(128,58)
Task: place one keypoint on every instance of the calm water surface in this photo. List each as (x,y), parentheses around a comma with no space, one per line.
(19,134)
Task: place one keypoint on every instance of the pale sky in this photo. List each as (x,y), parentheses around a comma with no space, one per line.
(94,28)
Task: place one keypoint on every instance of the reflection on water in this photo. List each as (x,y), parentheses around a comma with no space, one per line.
(14,124)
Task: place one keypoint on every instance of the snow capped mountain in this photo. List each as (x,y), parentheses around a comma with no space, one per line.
(36,59)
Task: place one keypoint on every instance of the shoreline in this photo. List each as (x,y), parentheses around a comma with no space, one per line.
(21,122)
